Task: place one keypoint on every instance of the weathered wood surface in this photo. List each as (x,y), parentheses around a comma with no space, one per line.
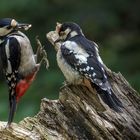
(79,114)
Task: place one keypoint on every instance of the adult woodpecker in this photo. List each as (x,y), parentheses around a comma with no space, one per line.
(18,60)
(78,58)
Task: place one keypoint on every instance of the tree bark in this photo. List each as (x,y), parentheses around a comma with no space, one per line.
(79,114)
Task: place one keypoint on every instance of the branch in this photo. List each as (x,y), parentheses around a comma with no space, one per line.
(79,115)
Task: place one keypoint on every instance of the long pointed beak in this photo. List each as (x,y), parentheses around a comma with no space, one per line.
(13,103)
(23,26)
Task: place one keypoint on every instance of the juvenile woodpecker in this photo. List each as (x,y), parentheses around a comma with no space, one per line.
(18,60)
(78,58)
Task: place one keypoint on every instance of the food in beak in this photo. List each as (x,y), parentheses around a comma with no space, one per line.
(24,26)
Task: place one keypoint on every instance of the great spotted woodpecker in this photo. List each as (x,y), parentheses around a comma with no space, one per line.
(78,58)
(18,60)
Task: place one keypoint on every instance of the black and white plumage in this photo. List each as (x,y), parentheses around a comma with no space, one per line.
(78,58)
(17,59)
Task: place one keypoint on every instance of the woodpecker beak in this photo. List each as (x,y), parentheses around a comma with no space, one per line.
(13,103)
(23,26)
(58,27)
(19,26)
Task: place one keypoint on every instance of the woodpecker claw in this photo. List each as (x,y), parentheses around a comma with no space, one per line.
(23,26)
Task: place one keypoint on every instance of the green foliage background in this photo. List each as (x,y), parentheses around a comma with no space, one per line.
(113,25)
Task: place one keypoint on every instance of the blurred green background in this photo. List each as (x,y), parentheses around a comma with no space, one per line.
(113,25)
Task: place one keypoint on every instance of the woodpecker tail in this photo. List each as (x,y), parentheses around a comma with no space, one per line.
(13,104)
(110,99)
(11,80)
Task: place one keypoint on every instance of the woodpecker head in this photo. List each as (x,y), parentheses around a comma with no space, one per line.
(8,25)
(68,30)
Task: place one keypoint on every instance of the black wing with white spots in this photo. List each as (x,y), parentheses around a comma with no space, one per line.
(83,56)
(86,62)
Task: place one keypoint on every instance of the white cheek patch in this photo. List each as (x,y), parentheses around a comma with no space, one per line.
(67,31)
(73,33)
(4,31)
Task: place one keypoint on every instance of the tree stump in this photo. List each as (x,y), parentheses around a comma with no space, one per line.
(79,114)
